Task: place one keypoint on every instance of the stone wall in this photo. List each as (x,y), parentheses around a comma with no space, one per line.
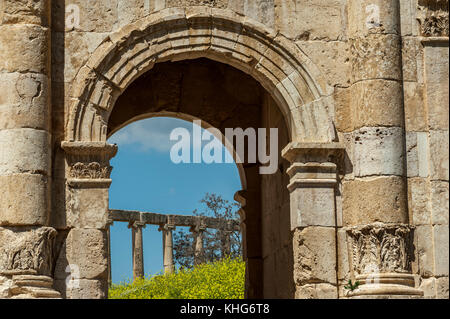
(380,96)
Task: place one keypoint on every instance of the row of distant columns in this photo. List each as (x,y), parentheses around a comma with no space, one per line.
(167,234)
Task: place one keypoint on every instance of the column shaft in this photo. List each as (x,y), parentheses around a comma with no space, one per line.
(138,249)
(25,152)
(169,266)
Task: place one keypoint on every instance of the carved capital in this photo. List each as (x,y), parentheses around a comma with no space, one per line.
(136,225)
(433,18)
(381,248)
(28,252)
(380,257)
(88,161)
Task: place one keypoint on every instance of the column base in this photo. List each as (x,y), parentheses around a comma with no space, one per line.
(29,287)
(385,286)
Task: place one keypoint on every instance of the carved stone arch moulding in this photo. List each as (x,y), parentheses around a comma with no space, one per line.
(173,34)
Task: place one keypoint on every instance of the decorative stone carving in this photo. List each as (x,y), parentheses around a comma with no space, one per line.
(433,18)
(88,161)
(92,170)
(380,257)
(381,248)
(28,252)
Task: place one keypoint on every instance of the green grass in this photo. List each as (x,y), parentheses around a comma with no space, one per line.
(220,280)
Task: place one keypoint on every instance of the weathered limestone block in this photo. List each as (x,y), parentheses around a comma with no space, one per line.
(314,255)
(373,16)
(30,157)
(419,193)
(312,207)
(343,111)
(374,103)
(378,151)
(417,154)
(375,199)
(439,160)
(425,250)
(25,12)
(71,50)
(83,255)
(129,11)
(95,16)
(31,41)
(376,57)
(22,199)
(343,265)
(87,207)
(317,291)
(428,286)
(437,86)
(24,101)
(297,19)
(411,58)
(415,111)
(332,58)
(439,202)
(26,250)
(82,289)
(441,246)
(442,288)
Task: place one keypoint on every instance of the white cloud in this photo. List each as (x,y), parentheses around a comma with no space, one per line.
(150,134)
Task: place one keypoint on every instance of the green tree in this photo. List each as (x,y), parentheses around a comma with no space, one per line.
(216,242)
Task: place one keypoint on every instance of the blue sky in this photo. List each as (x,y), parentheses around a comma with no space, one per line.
(145,179)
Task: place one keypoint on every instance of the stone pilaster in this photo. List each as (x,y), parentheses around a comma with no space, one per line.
(313,179)
(87,187)
(137,248)
(168,262)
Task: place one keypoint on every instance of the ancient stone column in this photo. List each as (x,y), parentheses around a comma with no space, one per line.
(199,253)
(313,179)
(138,249)
(374,190)
(167,229)
(226,243)
(87,196)
(25,152)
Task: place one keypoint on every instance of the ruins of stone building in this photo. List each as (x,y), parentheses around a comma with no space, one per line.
(357,88)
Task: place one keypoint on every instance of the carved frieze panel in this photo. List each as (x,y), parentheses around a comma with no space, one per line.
(433,18)
(381,248)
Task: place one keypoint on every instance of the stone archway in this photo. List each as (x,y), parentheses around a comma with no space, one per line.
(175,34)
(221,35)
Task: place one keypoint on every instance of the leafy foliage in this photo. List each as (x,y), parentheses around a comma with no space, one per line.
(215,244)
(220,280)
(350,286)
